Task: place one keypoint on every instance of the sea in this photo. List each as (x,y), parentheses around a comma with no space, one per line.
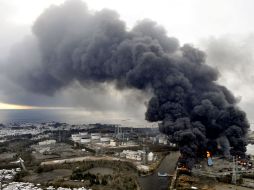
(71,116)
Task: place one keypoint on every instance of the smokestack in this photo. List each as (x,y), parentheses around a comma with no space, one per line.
(94,47)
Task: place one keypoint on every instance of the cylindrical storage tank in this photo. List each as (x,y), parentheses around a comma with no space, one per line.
(95,137)
(76,138)
(105,139)
(95,134)
(150,157)
(83,134)
(75,135)
(85,141)
(161,140)
(112,143)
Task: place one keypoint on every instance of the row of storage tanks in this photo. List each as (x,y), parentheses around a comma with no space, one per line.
(84,137)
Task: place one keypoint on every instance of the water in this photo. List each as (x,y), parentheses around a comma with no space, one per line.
(167,165)
(71,116)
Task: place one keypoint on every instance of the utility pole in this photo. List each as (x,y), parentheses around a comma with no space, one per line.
(59,136)
(22,164)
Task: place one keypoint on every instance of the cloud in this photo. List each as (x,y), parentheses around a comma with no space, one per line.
(233,56)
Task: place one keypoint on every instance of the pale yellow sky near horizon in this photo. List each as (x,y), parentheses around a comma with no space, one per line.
(13,106)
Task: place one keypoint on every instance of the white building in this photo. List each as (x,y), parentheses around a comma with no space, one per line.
(132,155)
(163,139)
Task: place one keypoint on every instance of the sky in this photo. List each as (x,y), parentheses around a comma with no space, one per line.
(221,28)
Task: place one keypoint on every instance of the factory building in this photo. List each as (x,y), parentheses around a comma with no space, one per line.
(85,138)
(162,139)
(133,155)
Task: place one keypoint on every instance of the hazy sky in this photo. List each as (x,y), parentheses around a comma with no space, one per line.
(222,28)
(189,21)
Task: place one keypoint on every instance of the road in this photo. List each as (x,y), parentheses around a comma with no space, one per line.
(81,159)
(153,182)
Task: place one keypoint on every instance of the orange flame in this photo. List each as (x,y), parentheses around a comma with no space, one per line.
(208,154)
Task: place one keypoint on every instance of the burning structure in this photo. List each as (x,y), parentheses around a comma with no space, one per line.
(76,45)
(209,158)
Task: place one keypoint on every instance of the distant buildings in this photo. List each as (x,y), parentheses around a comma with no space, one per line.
(37,130)
(8,174)
(85,138)
(30,186)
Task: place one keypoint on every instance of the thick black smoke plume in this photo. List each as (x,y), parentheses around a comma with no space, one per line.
(95,47)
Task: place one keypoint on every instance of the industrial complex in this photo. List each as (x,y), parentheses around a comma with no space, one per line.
(29,151)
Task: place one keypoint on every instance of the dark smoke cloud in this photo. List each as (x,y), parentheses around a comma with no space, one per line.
(93,48)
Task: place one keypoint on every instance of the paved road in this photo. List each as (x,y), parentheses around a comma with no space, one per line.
(153,182)
(81,159)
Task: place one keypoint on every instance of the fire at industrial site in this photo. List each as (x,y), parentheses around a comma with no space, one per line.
(104,104)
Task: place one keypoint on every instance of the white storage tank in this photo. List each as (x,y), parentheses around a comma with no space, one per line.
(95,137)
(150,157)
(85,141)
(75,137)
(95,134)
(105,139)
(161,140)
(83,134)
(112,143)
